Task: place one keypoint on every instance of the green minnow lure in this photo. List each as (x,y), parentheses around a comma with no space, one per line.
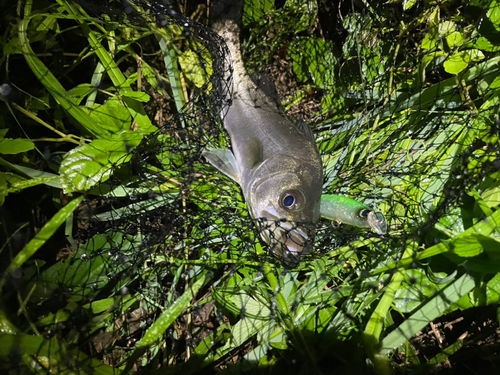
(351,212)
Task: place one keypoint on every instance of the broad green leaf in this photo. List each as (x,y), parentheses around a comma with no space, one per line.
(455,39)
(250,306)
(484,227)
(430,311)
(446,28)
(485,45)
(415,289)
(85,166)
(78,93)
(493,290)
(459,61)
(191,65)
(15,146)
(494,14)
(111,117)
(255,10)
(475,244)
(491,196)
(467,246)
(313,59)
(12,47)
(88,266)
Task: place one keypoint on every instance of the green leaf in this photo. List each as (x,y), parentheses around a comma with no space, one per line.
(51,83)
(50,179)
(80,272)
(63,359)
(15,146)
(12,47)
(447,352)
(251,307)
(85,166)
(254,10)
(79,92)
(155,332)
(475,244)
(494,14)
(191,66)
(7,180)
(415,290)
(485,45)
(313,59)
(455,39)
(467,246)
(484,227)
(430,39)
(493,290)
(139,96)
(112,118)
(459,61)
(42,236)
(16,185)
(430,311)
(491,196)
(408,4)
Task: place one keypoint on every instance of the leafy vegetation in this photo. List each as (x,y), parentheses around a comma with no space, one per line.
(123,250)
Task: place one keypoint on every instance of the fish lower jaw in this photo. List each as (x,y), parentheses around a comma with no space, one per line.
(291,246)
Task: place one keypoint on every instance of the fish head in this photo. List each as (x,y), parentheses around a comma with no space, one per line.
(287,206)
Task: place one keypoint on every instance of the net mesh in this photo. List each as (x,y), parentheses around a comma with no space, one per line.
(167,266)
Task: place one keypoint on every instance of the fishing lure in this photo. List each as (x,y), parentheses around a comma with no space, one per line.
(351,212)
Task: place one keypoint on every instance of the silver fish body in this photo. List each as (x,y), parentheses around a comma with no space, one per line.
(275,162)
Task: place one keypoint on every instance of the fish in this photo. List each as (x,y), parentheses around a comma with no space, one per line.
(274,160)
(351,212)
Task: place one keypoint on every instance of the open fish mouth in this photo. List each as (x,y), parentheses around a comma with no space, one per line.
(290,241)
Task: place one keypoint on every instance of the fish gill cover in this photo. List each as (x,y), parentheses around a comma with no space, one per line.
(124,250)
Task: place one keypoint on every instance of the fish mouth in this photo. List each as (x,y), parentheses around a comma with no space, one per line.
(289,240)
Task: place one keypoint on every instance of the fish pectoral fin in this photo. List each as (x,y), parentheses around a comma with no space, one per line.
(255,153)
(305,130)
(224,161)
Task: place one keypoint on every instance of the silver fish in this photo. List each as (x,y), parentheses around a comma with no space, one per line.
(275,162)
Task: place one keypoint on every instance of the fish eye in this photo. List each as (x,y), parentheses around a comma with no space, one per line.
(291,199)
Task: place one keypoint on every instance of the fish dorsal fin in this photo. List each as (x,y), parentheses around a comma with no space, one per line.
(305,130)
(224,161)
(255,153)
